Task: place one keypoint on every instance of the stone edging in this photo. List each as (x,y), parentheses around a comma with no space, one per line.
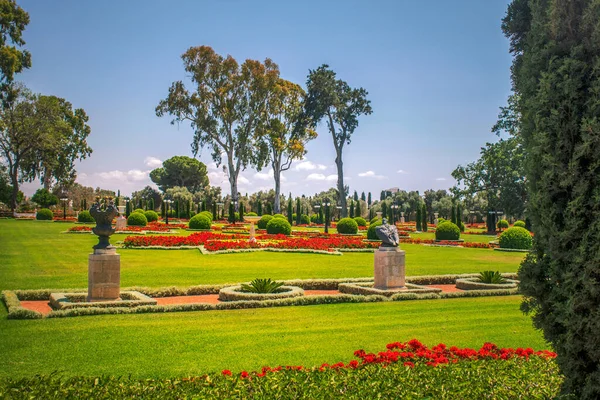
(474,284)
(234,293)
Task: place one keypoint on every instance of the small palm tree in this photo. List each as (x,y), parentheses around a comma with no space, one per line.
(493,277)
(262,286)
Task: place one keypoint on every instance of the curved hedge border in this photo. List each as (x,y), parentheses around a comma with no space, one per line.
(367,289)
(234,293)
(512,250)
(474,284)
(270,249)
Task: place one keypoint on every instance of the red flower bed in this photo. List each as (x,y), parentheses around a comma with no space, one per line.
(447,243)
(195,239)
(81,228)
(412,353)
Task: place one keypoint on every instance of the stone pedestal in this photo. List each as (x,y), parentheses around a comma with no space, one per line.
(104,275)
(121,223)
(390,268)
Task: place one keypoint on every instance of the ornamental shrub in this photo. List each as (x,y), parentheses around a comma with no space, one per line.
(360,221)
(262,223)
(44,214)
(151,216)
(347,225)
(251,214)
(139,210)
(304,219)
(515,238)
(519,224)
(279,216)
(502,224)
(200,221)
(371,235)
(137,219)
(279,225)
(207,214)
(374,220)
(447,231)
(85,216)
(262,286)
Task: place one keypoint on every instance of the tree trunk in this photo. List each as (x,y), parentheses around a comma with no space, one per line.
(277,201)
(47,179)
(15,192)
(233,176)
(340,183)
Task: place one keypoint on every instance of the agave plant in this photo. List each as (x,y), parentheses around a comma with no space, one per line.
(491,277)
(262,286)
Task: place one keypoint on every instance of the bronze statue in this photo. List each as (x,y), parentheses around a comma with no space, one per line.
(103,211)
(388,234)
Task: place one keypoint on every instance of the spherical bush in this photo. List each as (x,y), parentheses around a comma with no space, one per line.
(199,221)
(85,216)
(360,221)
(279,225)
(502,224)
(151,216)
(374,220)
(44,214)
(347,225)
(304,219)
(371,235)
(251,214)
(447,231)
(138,210)
(279,216)
(515,238)
(519,224)
(137,219)
(207,214)
(262,223)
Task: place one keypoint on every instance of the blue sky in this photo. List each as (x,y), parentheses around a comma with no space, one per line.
(436,72)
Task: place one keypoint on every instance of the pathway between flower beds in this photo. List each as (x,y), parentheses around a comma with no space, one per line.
(43,307)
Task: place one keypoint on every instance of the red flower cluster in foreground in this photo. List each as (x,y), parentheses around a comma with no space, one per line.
(413,352)
(81,228)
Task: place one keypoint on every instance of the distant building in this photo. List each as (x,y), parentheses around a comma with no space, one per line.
(393,190)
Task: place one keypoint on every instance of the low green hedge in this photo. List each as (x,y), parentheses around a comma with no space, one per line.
(137,219)
(279,226)
(85,216)
(366,288)
(234,293)
(515,238)
(475,284)
(347,226)
(263,221)
(200,221)
(447,231)
(44,214)
(151,216)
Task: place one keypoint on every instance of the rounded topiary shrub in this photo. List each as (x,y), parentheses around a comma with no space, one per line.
(44,214)
(347,225)
(138,210)
(371,235)
(207,214)
(85,216)
(520,224)
(374,220)
(279,225)
(151,216)
(137,219)
(199,221)
(304,219)
(502,224)
(262,223)
(447,231)
(251,214)
(279,216)
(515,238)
(360,221)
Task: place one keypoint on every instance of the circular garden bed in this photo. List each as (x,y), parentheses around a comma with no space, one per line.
(475,284)
(235,293)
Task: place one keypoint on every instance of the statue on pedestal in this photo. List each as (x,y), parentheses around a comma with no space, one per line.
(388,234)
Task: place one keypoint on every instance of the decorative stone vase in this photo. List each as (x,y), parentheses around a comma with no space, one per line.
(103,213)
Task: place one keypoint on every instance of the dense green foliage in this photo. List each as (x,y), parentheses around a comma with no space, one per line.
(85,216)
(520,224)
(263,221)
(200,221)
(491,277)
(137,219)
(44,198)
(419,220)
(279,216)
(502,224)
(151,216)
(371,235)
(259,285)
(304,219)
(347,225)
(556,116)
(180,171)
(279,225)
(424,218)
(44,214)
(360,221)
(447,231)
(515,238)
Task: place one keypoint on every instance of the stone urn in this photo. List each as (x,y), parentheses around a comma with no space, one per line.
(103,212)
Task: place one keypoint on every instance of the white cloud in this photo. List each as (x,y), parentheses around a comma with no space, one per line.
(371,174)
(263,176)
(332,177)
(401,171)
(152,162)
(122,176)
(309,166)
(440,179)
(316,177)
(243,180)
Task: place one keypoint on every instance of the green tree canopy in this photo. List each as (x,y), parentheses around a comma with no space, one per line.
(13,20)
(180,171)
(341,105)
(44,198)
(225,108)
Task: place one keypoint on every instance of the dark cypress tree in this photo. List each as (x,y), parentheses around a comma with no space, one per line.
(556,79)
(231,216)
(370,214)
(214,210)
(140,205)
(162,209)
(259,208)
(424,218)
(384,210)
(152,205)
(363,197)
(241,212)
(127,209)
(357,212)
(290,210)
(382,195)
(369,200)
(355,197)
(298,212)
(458,215)
(419,220)
(269,208)
(321,220)
(198,207)
(352,208)
(453,215)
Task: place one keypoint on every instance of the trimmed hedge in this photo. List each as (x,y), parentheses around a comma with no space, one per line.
(85,216)
(279,225)
(235,293)
(502,224)
(262,223)
(360,221)
(520,224)
(200,221)
(515,238)
(347,226)
(280,216)
(371,235)
(151,216)
(447,231)
(138,210)
(475,284)
(365,289)
(304,219)
(207,214)
(137,219)
(44,214)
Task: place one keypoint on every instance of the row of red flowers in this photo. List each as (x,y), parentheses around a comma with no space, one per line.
(413,352)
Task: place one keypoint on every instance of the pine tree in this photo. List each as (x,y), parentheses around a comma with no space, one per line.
(419,219)
(424,218)
(355,197)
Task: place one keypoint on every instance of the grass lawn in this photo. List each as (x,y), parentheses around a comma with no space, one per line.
(35,255)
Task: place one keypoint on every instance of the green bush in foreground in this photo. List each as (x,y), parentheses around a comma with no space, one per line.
(360,221)
(137,219)
(347,226)
(151,216)
(44,214)
(199,221)
(515,238)
(208,215)
(279,216)
(447,231)
(263,221)
(520,224)
(502,224)
(279,225)
(371,235)
(85,216)
(486,379)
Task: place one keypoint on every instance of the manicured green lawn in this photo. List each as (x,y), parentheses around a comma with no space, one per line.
(35,255)
(181,344)
(466,238)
